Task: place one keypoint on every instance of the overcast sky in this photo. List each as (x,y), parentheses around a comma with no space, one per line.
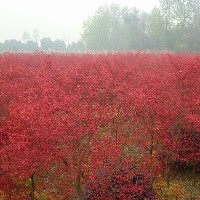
(61,19)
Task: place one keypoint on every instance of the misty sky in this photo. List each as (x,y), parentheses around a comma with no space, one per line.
(61,19)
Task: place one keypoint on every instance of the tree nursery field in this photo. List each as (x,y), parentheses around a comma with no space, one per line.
(100,126)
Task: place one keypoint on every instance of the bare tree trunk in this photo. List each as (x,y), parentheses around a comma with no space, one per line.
(78,185)
(32,188)
(168,173)
(194,174)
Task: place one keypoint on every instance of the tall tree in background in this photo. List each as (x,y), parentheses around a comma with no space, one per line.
(96,30)
(118,38)
(116,28)
(136,22)
(106,30)
(181,17)
(160,32)
(155,30)
(172,26)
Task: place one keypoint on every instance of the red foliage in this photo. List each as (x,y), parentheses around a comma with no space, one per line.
(64,118)
(123,181)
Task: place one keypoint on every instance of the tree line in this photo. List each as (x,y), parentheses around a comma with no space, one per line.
(46,44)
(171,26)
(34,43)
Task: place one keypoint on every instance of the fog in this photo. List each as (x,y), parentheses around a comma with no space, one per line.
(61,19)
(115,25)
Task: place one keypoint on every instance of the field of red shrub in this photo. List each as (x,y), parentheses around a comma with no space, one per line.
(100,126)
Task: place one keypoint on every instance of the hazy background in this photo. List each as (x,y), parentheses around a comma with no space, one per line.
(101,25)
(61,19)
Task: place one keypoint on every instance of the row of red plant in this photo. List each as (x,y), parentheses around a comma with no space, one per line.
(96,126)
